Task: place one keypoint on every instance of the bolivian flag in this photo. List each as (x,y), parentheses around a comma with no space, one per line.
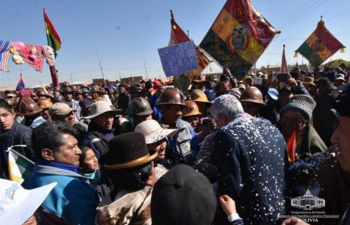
(319,46)
(177,36)
(239,35)
(53,40)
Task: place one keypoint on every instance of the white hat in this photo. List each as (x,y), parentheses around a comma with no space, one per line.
(340,77)
(100,107)
(153,132)
(18,204)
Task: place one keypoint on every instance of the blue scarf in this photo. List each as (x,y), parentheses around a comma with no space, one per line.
(62,166)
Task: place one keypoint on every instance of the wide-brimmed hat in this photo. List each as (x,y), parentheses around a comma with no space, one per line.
(340,77)
(27,106)
(101,107)
(44,103)
(60,109)
(128,150)
(18,204)
(153,132)
(200,97)
(309,81)
(191,109)
(140,107)
(171,96)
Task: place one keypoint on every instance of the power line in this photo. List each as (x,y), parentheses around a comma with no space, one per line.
(306,12)
(293,14)
(308,29)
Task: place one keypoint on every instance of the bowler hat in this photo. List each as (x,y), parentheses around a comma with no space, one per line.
(128,150)
(183,196)
(341,100)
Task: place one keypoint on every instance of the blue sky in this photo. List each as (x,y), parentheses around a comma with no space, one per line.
(128,32)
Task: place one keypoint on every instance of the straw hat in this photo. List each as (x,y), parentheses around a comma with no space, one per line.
(18,204)
(100,107)
(128,150)
(153,132)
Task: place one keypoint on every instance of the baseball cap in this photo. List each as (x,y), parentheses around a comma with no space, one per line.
(60,109)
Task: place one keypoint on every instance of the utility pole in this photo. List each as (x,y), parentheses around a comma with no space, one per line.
(99,58)
(71,79)
(146,71)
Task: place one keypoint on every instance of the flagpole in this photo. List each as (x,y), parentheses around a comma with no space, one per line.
(99,58)
(146,71)
(22,146)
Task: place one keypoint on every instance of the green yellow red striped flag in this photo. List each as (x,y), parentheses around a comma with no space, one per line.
(53,40)
(238,37)
(319,46)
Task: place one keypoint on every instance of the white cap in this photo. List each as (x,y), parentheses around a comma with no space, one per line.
(18,204)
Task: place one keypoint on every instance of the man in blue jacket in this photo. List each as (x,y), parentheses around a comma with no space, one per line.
(73,200)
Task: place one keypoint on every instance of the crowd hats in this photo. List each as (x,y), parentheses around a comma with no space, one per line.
(309,81)
(191,109)
(95,89)
(273,93)
(303,103)
(340,77)
(341,100)
(128,150)
(153,132)
(171,96)
(140,107)
(253,95)
(67,90)
(18,204)
(323,81)
(200,97)
(41,92)
(285,88)
(183,196)
(60,109)
(101,107)
(27,107)
(44,103)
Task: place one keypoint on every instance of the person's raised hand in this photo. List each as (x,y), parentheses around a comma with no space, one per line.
(228,204)
(292,82)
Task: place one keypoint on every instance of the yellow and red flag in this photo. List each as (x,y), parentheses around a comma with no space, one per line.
(238,37)
(291,146)
(177,36)
(53,40)
(319,46)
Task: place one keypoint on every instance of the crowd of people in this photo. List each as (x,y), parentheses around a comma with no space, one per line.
(222,152)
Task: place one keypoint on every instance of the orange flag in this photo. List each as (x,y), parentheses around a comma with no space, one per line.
(291,145)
